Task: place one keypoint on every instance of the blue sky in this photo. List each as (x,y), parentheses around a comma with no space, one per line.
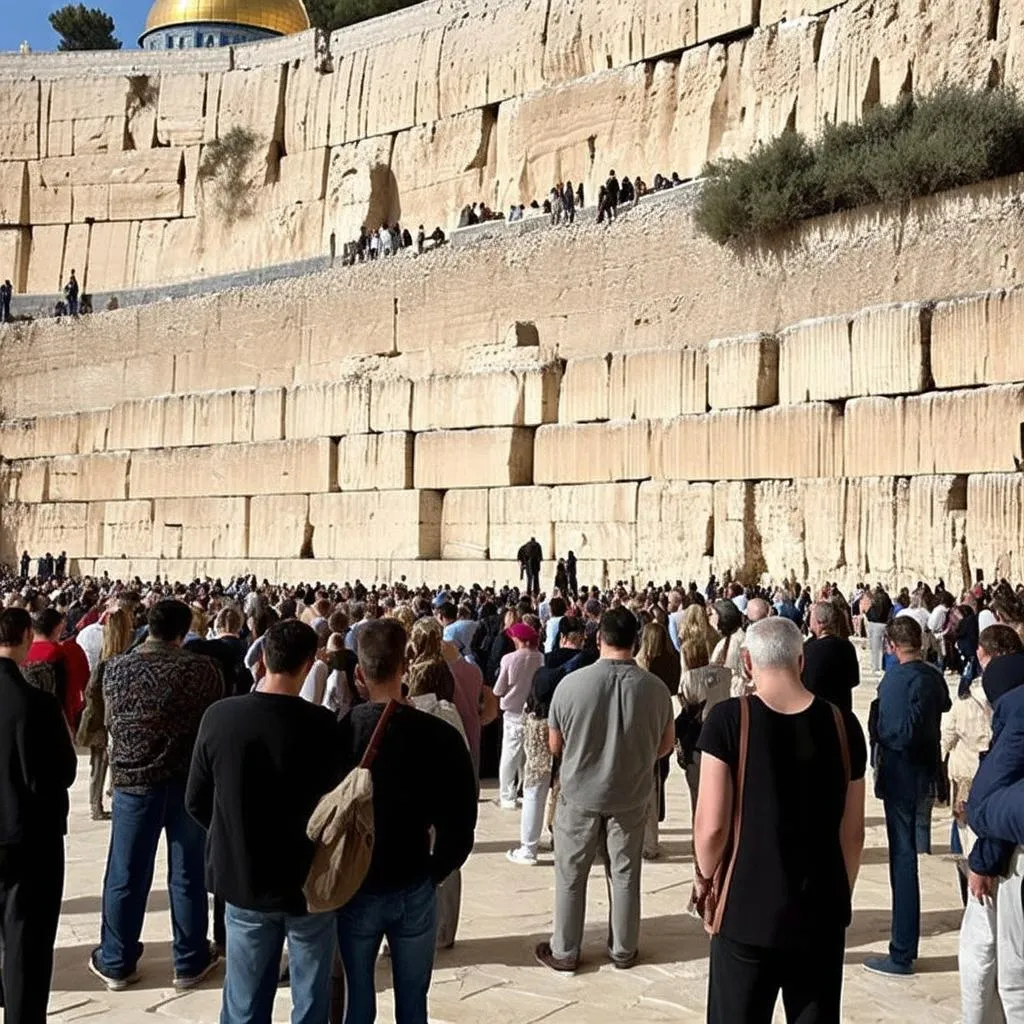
(28,19)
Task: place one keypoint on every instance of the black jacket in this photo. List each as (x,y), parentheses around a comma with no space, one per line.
(37,761)
(831,670)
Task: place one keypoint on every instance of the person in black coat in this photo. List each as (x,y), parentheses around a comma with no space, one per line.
(831,669)
(39,768)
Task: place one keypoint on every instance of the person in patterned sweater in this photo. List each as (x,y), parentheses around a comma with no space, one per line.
(155,696)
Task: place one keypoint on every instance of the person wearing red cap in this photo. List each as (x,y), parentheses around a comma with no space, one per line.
(515,681)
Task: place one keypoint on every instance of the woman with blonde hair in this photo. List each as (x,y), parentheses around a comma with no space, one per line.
(432,689)
(702,686)
(658,657)
(118,630)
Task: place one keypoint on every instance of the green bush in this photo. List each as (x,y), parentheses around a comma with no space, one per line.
(951,138)
(225,165)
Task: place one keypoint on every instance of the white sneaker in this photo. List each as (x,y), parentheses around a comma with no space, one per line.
(508,805)
(520,855)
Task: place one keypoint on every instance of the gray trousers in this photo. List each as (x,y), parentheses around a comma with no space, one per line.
(617,839)
(97,776)
(876,644)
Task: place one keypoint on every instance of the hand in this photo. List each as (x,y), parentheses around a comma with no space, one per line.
(982,887)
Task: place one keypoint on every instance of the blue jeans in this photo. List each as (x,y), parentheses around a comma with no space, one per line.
(254,943)
(137,821)
(409,920)
(901,826)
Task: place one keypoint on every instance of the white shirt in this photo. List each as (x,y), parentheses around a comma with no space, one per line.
(316,683)
(90,640)
(920,614)
(985,619)
(937,619)
(740,600)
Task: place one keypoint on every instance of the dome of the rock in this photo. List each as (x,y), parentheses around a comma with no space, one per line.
(199,24)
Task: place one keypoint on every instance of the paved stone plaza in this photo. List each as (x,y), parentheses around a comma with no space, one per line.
(491,976)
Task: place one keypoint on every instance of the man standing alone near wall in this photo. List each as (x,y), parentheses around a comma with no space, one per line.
(609,722)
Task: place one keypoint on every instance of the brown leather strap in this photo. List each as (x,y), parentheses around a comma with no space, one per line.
(737,814)
(844,743)
(378,734)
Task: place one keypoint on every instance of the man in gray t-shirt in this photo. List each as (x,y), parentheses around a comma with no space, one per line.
(610,722)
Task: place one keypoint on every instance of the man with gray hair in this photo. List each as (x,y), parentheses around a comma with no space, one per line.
(801,836)
(757,609)
(831,669)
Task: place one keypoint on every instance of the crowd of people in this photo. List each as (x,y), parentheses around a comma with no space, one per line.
(230,716)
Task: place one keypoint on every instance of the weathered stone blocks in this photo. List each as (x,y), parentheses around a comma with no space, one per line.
(743,372)
(377,524)
(489,457)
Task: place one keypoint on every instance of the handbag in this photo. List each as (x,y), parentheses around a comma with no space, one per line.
(709,894)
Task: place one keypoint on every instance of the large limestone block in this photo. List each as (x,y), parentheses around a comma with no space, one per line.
(55,527)
(302,177)
(359,189)
(20,119)
(375,462)
(497,399)
(252,99)
(680,449)
(871,527)
(737,542)
(268,423)
(786,442)
(815,361)
(15,250)
(270,467)
(976,339)
(743,372)
(44,435)
(489,457)
(675,529)
(93,427)
(137,424)
(111,255)
(307,107)
(128,530)
(98,477)
(329,409)
(788,10)
(91,113)
(595,520)
(913,436)
(515,514)
(18,439)
(717,18)
(377,524)
(779,519)
(199,527)
(279,526)
(181,113)
(889,350)
(218,417)
(27,481)
(658,384)
(14,193)
(390,404)
(585,390)
(995,524)
(929,525)
(464,524)
(824,514)
(46,258)
(592,452)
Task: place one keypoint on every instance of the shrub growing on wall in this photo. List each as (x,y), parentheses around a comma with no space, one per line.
(225,164)
(916,147)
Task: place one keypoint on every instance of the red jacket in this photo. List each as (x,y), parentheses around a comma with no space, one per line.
(76,672)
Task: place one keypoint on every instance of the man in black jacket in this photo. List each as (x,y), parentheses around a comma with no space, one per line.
(39,768)
(831,669)
(424,810)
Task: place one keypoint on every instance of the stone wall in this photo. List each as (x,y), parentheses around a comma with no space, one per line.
(411,116)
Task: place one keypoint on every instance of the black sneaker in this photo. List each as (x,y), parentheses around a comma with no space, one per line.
(113,982)
(184,982)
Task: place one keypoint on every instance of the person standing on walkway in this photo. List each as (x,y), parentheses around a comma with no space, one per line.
(831,670)
(798,764)
(912,697)
(92,732)
(877,610)
(424,811)
(39,768)
(609,722)
(513,688)
(261,763)
(155,696)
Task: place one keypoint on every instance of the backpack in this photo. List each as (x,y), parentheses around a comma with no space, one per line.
(47,676)
(341,827)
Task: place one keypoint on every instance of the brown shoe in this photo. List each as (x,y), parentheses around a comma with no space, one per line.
(624,963)
(564,965)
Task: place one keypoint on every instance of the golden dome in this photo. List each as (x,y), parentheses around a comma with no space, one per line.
(281,16)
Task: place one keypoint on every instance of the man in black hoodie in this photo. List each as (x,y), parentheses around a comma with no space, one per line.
(39,768)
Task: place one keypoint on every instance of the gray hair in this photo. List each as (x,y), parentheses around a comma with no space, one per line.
(774,643)
(826,614)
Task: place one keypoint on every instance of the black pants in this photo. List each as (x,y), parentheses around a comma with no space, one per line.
(745,981)
(31,887)
(532,580)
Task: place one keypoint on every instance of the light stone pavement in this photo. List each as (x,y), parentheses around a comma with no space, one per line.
(490,977)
